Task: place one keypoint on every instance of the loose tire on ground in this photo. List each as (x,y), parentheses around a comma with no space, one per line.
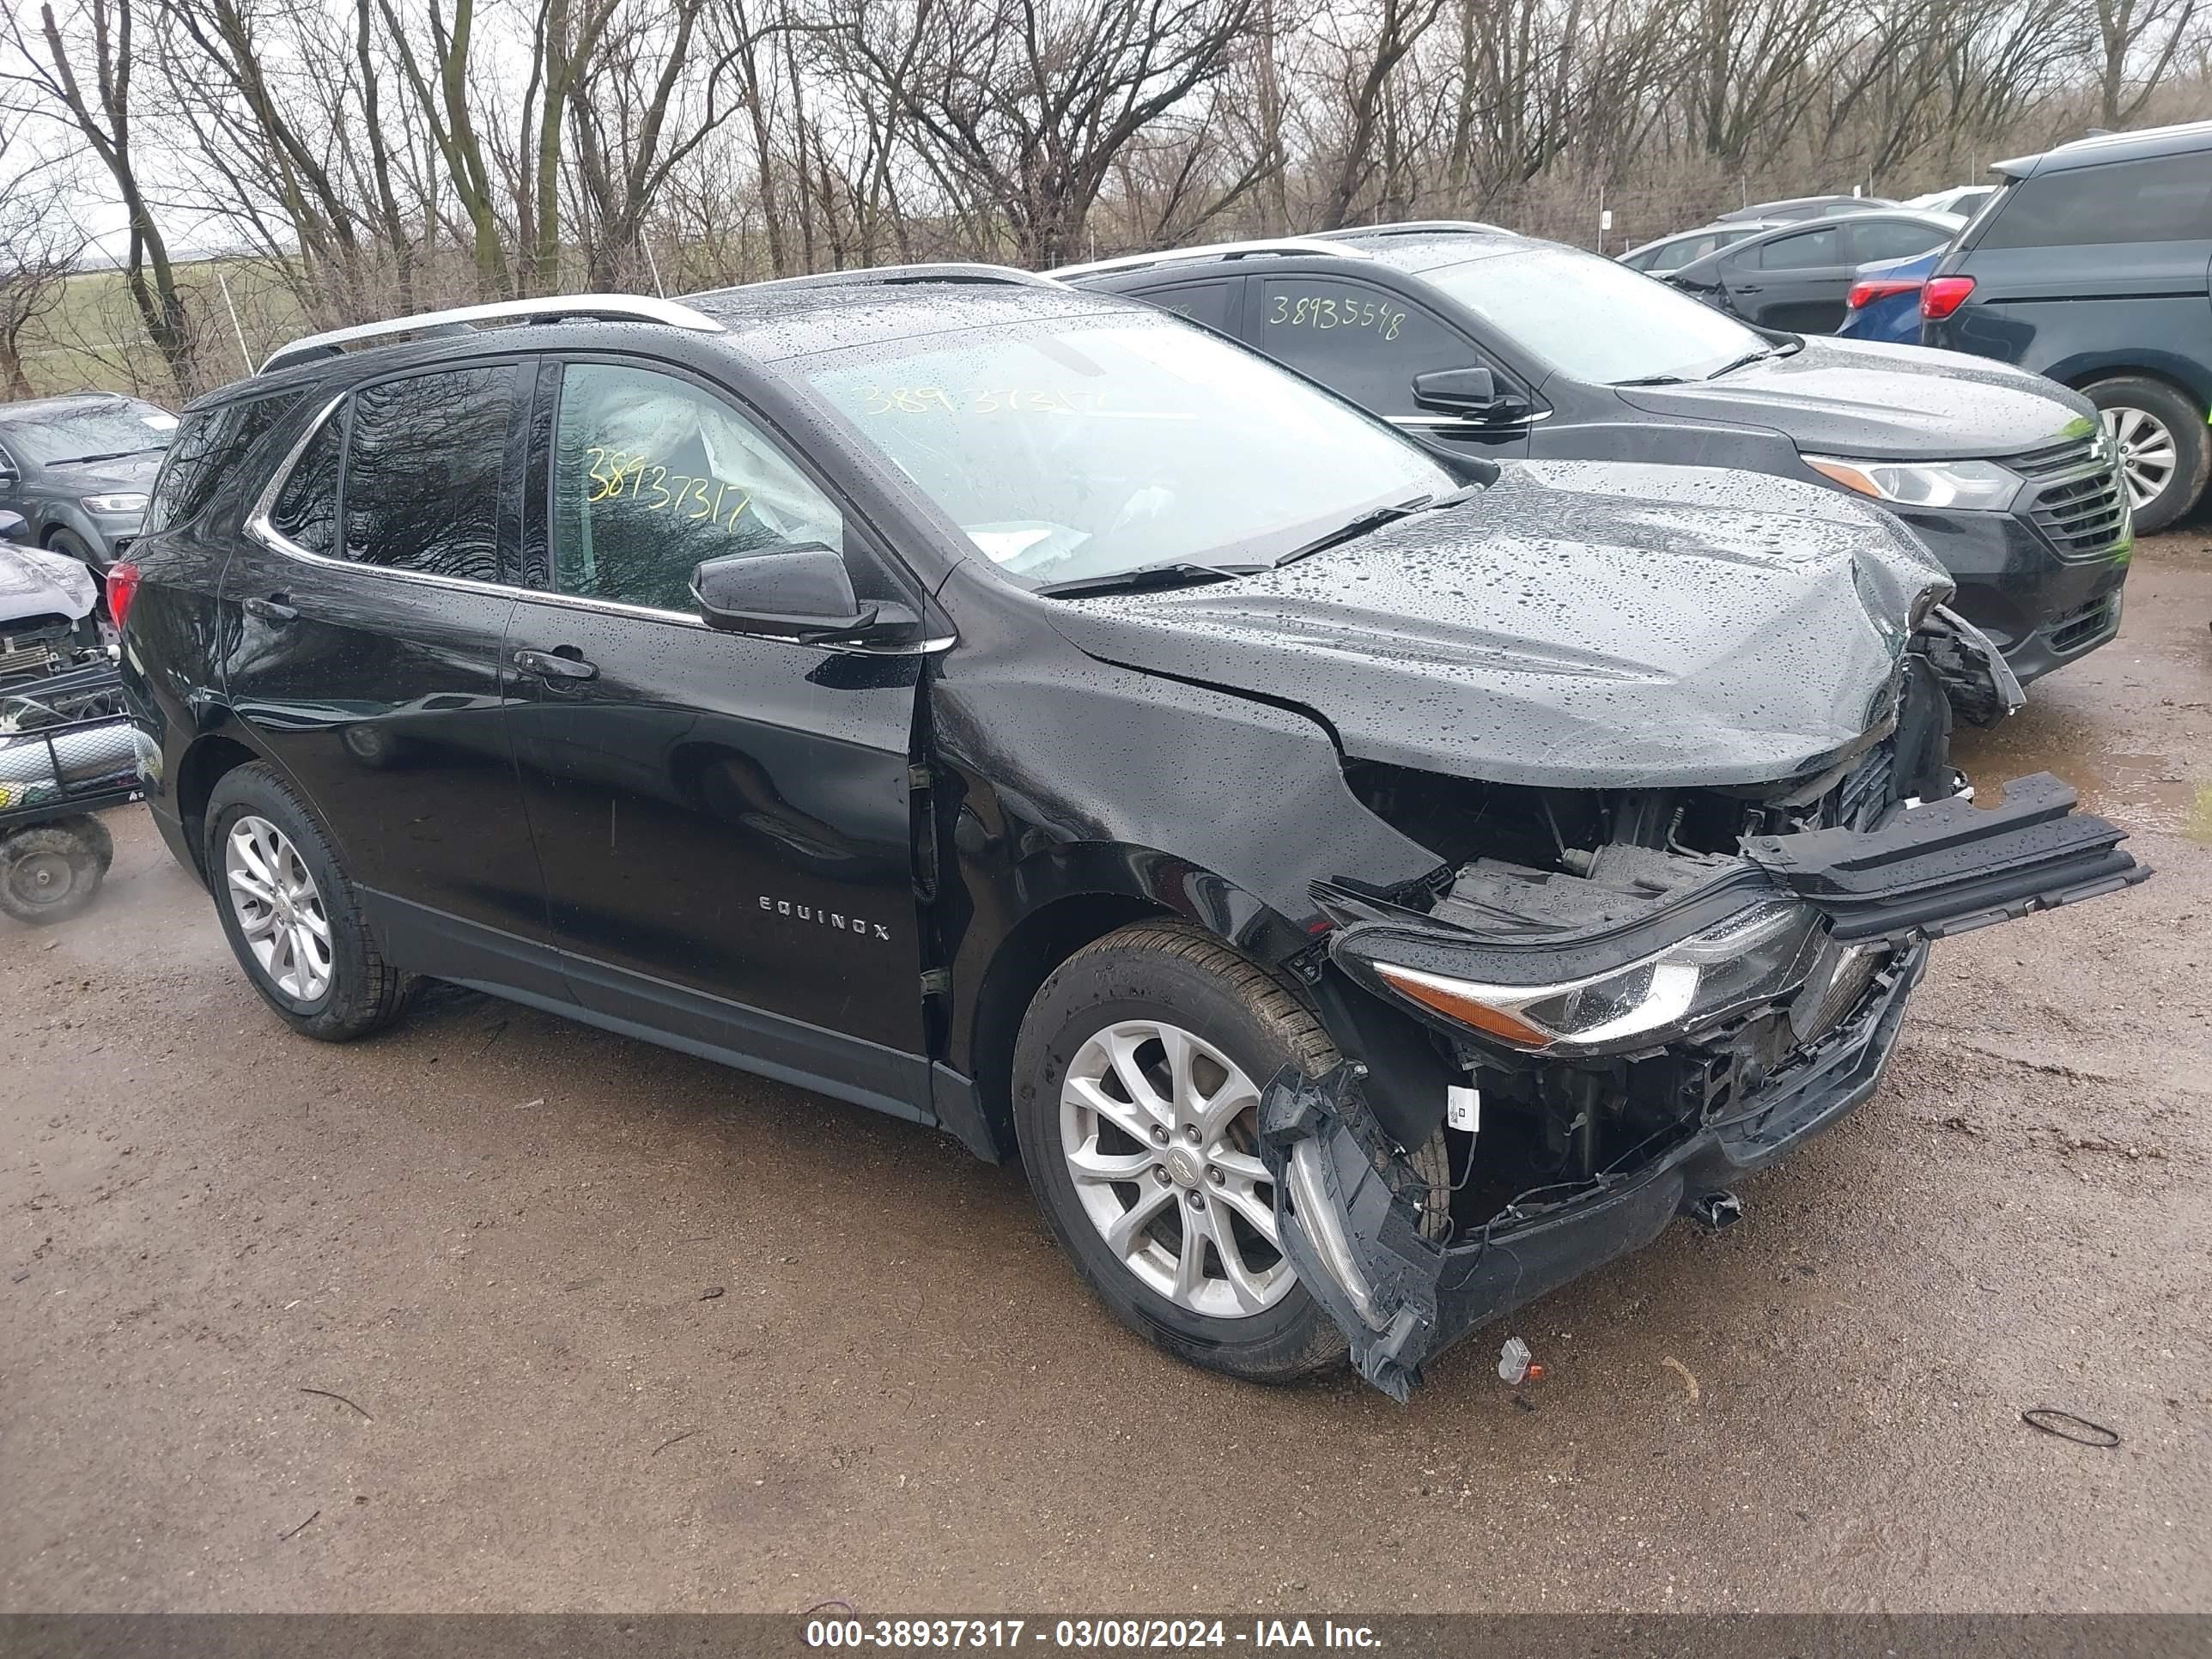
(51,871)
(363,993)
(1181,978)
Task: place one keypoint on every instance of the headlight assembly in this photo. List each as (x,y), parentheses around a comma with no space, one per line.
(113,503)
(1758,956)
(1979,484)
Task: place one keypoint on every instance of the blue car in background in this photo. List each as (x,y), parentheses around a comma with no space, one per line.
(1885,299)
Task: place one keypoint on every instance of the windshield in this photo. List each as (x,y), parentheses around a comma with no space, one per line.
(1080,447)
(118,425)
(1594,318)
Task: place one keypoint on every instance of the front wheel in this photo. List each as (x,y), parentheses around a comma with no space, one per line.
(2165,449)
(1137,1081)
(292,918)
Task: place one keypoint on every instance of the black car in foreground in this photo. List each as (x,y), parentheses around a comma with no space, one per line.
(1493,344)
(1367,889)
(2093,265)
(78,469)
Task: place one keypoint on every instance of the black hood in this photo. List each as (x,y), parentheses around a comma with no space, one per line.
(1578,624)
(1857,398)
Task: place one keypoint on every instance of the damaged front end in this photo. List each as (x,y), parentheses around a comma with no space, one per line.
(1677,989)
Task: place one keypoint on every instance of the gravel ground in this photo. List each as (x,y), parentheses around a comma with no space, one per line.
(497,1312)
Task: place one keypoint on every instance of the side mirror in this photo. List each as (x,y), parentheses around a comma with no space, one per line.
(1469,392)
(800,592)
(13,527)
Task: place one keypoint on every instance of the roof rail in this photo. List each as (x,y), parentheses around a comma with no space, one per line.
(1284,246)
(1416,227)
(950,271)
(552,307)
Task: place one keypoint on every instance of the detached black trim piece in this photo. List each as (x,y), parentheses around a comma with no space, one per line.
(1949,866)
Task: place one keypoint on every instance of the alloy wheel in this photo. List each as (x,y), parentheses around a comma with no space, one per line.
(279,909)
(1160,1131)
(2147,451)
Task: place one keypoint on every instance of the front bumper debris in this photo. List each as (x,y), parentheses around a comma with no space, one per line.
(1347,1206)
(1731,1094)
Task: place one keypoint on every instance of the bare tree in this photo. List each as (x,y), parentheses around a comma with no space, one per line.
(84,62)
(40,243)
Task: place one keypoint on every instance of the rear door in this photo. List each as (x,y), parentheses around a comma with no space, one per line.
(365,609)
(1367,343)
(1797,282)
(724,821)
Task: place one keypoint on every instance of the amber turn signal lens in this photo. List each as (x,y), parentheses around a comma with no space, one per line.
(1449,997)
(1850,476)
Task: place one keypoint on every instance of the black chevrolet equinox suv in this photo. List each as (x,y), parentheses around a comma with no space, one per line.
(1366,889)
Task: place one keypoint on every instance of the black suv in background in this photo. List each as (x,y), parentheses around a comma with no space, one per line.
(78,469)
(1013,709)
(2093,265)
(1489,344)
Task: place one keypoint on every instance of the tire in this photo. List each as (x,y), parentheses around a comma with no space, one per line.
(1174,976)
(2150,417)
(51,872)
(69,544)
(335,989)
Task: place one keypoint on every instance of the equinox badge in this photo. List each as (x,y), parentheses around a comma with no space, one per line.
(822,918)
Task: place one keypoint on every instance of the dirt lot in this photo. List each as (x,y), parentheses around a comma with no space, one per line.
(498,1312)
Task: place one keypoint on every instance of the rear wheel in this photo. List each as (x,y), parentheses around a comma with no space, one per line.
(2164,448)
(1137,1083)
(292,918)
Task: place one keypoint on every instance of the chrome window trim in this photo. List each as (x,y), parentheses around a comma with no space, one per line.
(1425,422)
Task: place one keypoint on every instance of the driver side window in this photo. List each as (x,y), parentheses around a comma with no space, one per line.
(653,476)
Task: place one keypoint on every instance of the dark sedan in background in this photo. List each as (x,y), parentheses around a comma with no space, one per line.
(78,467)
(1490,344)
(1799,276)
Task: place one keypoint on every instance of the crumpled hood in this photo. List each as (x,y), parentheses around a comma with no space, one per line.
(1861,397)
(1578,624)
(36,583)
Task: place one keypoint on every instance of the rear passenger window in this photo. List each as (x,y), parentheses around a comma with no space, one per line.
(209,444)
(1889,239)
(425,460)
(305,512)
(1201,302)
(2167,198)
(1363,343)
(1808,250)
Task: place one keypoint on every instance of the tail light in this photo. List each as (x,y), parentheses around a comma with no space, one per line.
(122,588)
(1865,293)
(1944,295)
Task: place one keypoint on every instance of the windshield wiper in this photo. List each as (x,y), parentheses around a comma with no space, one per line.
(1744,361)
(1376,519)
(115,455)
(1175,573)
(1653,379)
